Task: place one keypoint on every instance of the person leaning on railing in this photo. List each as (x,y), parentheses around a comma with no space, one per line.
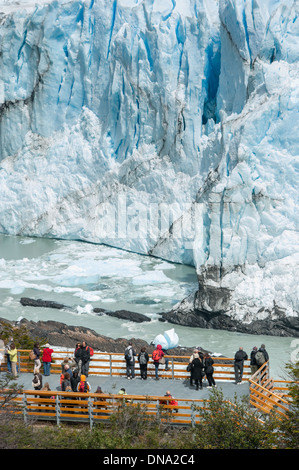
(240,357)
(13,354)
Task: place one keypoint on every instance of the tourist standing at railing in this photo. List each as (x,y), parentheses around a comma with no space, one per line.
(85,356)
(143,359)
(47,359)
(157,356)
(37,362)
(240,357)
(196,353)
(264,356)
(8,360)
(77,355)
(197,366)
(13,354)
(130,354)
(209,370)
(253,364)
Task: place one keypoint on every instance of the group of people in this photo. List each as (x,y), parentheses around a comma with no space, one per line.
(200,364)
(257,358)
(158,357)
(75,369)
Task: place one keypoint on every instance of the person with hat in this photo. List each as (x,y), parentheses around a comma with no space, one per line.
(47,359)
(83,385)
(253,364)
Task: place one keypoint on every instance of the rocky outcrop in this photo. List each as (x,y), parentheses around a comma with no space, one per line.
(65,336)
(123,314)
(207,309)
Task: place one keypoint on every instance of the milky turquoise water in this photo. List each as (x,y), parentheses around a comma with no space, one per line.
(83,276)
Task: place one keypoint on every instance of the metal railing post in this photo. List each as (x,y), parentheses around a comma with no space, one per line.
(110,359)
(57,409)
(158,410)
(90,410)
(19,363)
(172,369)
(25,411)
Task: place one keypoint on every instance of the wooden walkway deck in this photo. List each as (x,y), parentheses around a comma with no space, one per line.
(107,370)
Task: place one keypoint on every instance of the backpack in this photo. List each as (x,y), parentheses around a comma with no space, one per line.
(142,359)
(260,358)
(32,356)
(82,387)
(156,355)
(128,354)
(91,351)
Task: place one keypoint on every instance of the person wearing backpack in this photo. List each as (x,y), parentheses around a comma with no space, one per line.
(83,385)
(130,361)
(261,356)
(240,357)
(156,356)
(253,364)
(143,359)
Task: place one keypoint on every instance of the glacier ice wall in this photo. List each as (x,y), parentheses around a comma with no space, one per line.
(164,127)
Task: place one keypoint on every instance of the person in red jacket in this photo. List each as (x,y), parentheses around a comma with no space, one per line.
(157,356)
(47,359)
(171,401)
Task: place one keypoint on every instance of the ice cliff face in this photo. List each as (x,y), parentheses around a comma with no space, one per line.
(161,127)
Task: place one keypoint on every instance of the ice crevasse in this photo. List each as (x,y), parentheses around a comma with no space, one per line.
(167,128)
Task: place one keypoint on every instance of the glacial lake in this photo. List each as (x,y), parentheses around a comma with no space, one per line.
(85,275)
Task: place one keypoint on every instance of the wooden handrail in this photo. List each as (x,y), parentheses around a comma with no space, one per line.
(263,397)
(114,364)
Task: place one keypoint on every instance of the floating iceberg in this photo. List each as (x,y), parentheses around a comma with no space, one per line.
(168,340)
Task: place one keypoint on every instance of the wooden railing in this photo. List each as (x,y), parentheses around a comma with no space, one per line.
(113,364)
(93,407)
(265,396)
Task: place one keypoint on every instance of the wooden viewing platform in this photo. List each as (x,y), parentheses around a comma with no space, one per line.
(108,370)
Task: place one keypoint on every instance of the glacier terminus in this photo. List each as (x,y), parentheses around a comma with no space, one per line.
(166,128)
